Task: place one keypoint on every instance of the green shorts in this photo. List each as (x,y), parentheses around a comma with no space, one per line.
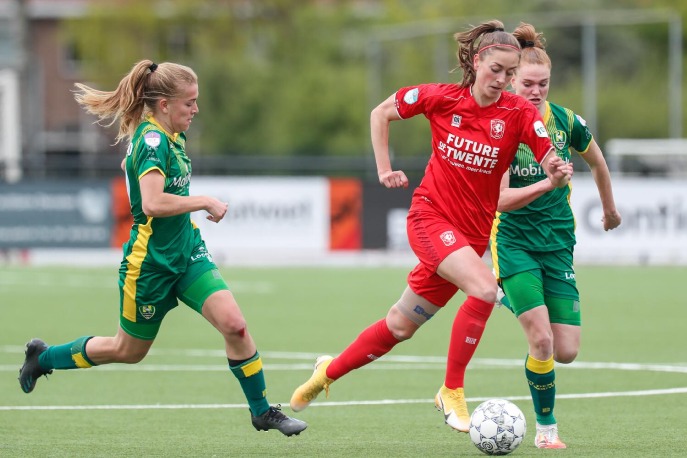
(533,278)
(143,306)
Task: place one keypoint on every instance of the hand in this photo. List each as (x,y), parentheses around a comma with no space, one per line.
(393,179)
(611,220)
(216,209)
(560,172)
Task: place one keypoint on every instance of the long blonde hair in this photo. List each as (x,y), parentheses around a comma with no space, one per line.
(136,95)
(473,41)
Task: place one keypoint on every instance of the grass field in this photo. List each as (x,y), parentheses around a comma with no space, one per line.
(624,396)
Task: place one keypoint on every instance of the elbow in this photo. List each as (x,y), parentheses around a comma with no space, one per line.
(151,209)
(379,115)
(374,115)
(504,203)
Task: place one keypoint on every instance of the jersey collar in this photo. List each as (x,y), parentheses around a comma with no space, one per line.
(153,121)
(547,112)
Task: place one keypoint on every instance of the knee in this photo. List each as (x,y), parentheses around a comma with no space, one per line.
(486,291)
(542,344)
(232,327)
(402,333)
(565,356)
(400,326)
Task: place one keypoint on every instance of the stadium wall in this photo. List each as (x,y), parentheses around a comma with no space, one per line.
(315,220)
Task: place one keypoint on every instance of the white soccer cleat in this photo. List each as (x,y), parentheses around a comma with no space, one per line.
(547,437)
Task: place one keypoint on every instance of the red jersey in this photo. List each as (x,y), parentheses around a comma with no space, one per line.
(472,147)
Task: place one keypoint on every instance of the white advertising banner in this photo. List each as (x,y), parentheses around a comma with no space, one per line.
(275,215)
(654,227)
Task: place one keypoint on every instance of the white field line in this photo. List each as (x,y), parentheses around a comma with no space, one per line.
(379,365)
(388,362)
(379,402)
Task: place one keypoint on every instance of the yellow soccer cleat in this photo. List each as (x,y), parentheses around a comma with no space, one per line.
(455,409)
(547,437)
(318,381)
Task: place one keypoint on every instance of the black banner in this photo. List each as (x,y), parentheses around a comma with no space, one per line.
(384,212)
(60,214)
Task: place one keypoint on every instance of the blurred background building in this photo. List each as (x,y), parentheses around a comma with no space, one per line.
(286,90)
(301,76)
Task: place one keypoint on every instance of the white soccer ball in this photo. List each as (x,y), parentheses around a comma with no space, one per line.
(497,427)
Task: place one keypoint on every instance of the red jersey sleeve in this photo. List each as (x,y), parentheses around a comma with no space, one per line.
(413,100)
(534,134)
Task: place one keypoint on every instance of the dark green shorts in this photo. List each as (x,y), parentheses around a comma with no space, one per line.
(150,294)
(533,278)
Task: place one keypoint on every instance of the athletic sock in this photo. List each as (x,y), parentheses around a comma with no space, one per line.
(542,381)
(71,355)
(374,342)
(252,380)
(468,327)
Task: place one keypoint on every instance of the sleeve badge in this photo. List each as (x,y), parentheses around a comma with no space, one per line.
(152,139)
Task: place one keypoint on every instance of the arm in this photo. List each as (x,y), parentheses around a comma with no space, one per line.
(602,177)
(380,118)
(514,198)
(157,203)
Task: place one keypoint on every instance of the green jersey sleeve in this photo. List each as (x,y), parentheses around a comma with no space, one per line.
(580,136)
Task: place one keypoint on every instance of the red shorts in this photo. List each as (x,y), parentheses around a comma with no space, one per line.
(432,238)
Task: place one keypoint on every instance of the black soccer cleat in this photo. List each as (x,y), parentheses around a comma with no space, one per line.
(30,371)
(275,419)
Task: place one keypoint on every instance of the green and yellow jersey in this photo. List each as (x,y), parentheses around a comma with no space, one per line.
(163,244)
(547,223)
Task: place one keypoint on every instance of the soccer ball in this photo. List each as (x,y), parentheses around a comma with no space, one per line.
(497,427)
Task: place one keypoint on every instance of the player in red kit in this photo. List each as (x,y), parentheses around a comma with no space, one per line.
(476,128)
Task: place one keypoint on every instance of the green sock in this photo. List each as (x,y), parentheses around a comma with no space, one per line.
(71,355)
(252,380)
(542,381)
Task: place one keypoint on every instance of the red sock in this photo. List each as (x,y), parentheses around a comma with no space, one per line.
(467,330)
(372,343)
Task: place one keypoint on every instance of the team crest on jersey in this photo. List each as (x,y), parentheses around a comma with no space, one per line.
(448,238)
(560,139)
(152,139)
(498,128)
(147,311)
(455,122)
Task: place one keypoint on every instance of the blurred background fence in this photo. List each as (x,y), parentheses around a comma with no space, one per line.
(286,90)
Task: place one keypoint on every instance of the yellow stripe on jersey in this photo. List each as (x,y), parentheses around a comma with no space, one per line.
(494,244)
(135,259)
(252,368)
(151,169)
(80,361)
(547,113)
